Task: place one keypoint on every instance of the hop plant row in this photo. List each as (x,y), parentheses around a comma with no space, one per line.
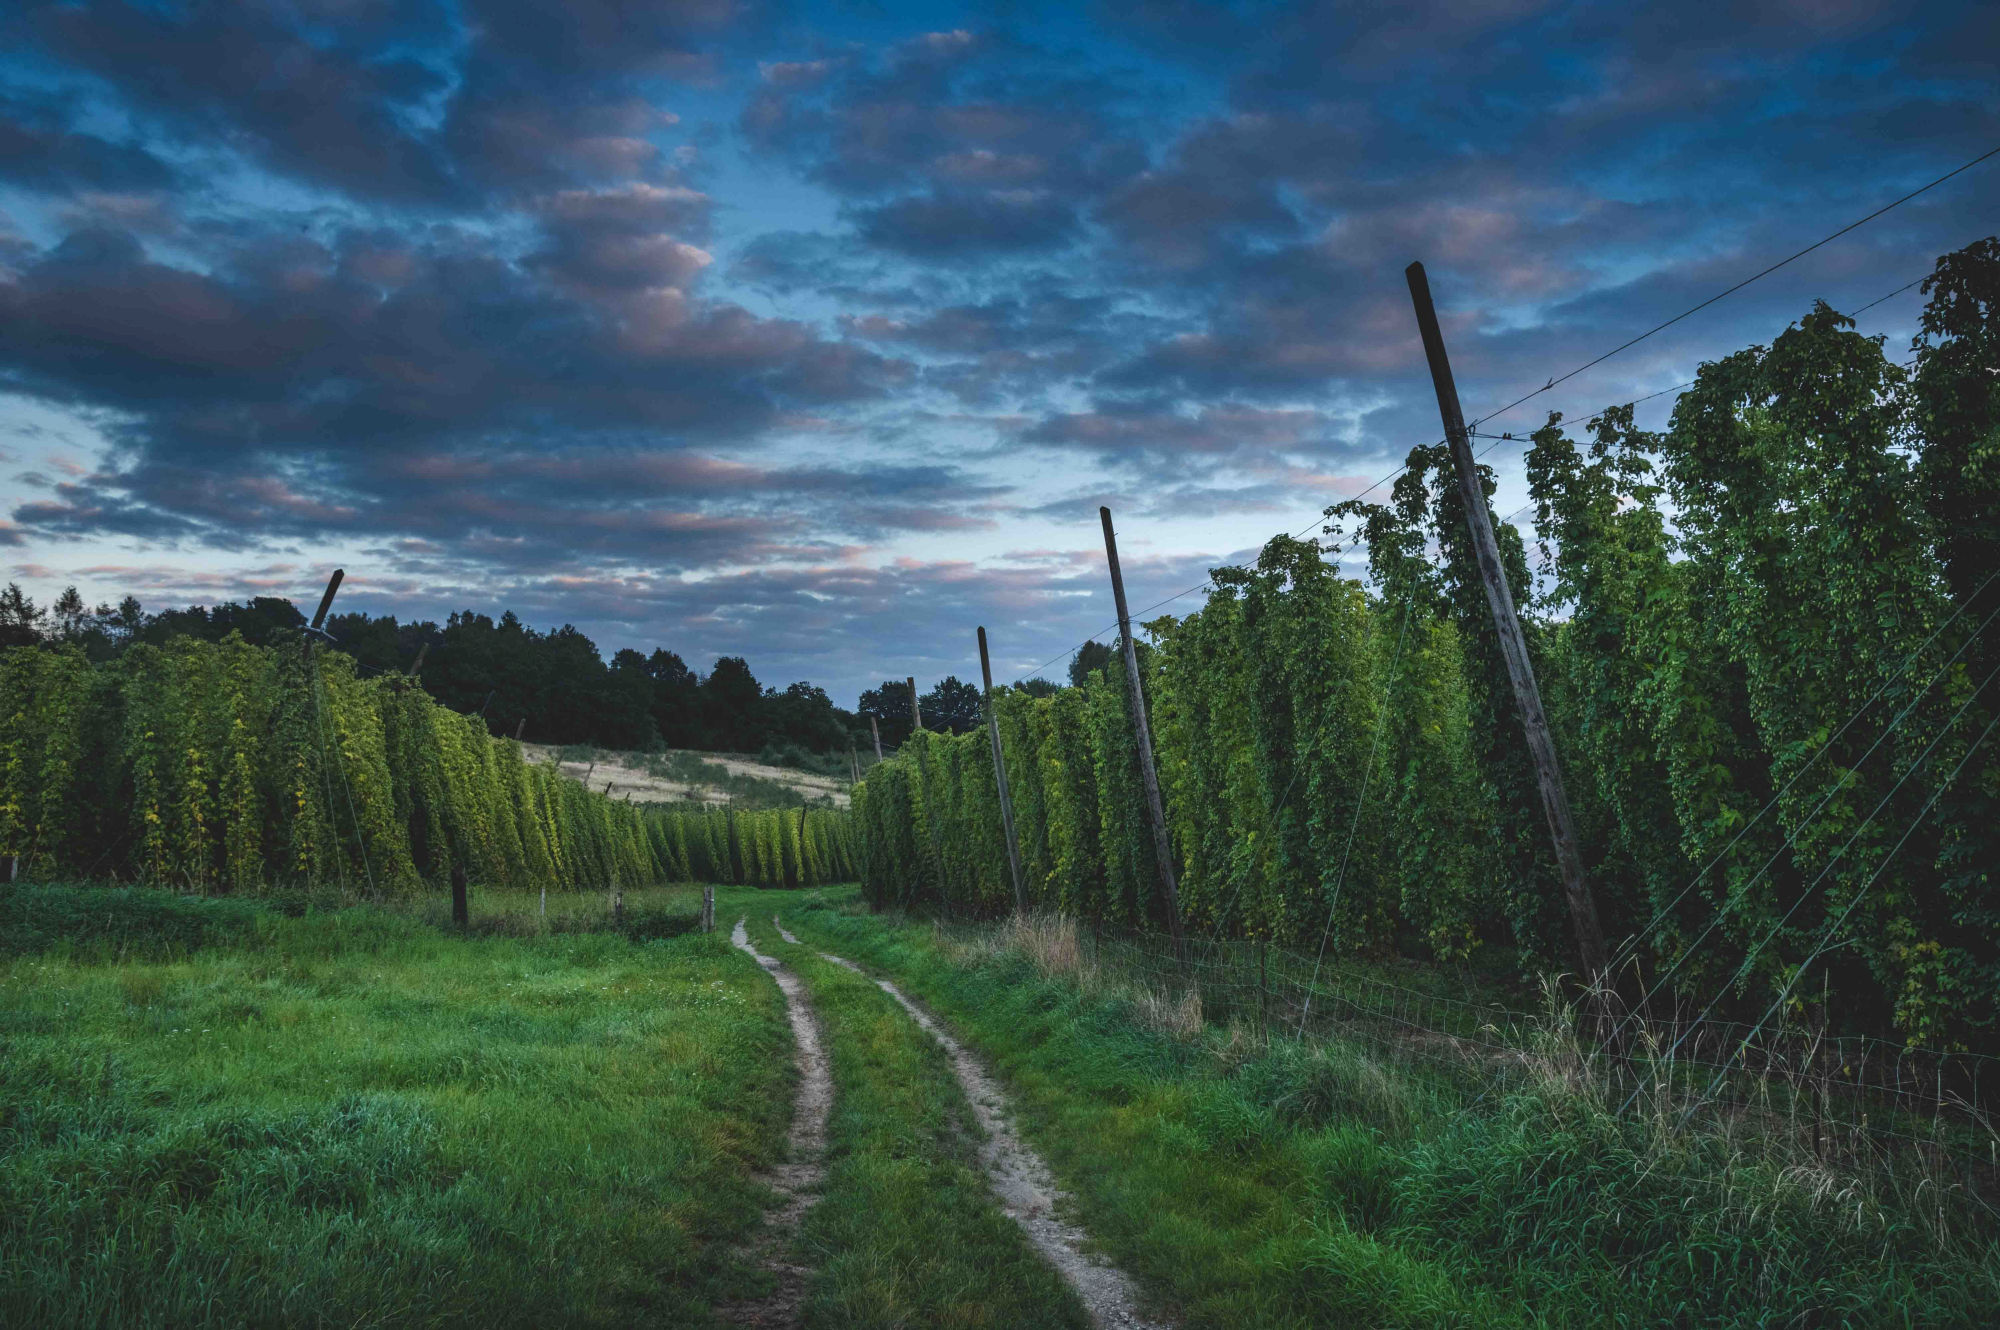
(227,767)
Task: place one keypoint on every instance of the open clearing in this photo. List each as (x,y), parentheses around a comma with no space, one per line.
(213,1113)
(632,774)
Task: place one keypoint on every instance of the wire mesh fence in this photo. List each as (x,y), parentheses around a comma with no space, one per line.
(1834,1098)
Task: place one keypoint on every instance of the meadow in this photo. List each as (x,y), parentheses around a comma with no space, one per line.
(301,1111)
(212,1112)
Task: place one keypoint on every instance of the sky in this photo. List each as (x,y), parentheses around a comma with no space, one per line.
(816,334)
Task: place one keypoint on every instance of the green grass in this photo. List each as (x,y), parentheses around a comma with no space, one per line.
(1254,1183)
(906,1233)
(355,1118)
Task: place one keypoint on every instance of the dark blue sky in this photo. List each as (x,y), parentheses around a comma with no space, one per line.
(816,334)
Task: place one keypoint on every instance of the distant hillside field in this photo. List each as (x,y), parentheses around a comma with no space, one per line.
(681,775)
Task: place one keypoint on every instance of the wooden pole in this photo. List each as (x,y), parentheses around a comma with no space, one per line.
(460,915)
(1000,779)
(417,667)
(1513,647)
(326,601)
(1142,731)
(916,708)
(523,725)
(877,730)
(708,907)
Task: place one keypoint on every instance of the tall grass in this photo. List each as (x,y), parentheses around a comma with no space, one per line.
(1288,1182)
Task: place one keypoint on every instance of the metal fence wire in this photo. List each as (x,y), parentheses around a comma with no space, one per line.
(1836,1096)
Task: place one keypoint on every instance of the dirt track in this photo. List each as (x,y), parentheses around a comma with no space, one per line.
(797,1180)
(1021,1181)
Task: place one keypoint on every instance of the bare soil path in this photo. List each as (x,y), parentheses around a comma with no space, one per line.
(797,1180)
(1021,1181)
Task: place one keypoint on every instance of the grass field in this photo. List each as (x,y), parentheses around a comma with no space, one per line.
(214,1114)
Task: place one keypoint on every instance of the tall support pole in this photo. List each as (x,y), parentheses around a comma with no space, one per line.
(876,729)
(1000,779)
(326,601)
(1143,731)
(423,649)
(1513,647)
(519,728)
(916,707)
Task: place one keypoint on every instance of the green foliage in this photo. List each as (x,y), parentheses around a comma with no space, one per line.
(221,766)
(1764,647)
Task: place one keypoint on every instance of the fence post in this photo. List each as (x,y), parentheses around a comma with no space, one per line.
(1000,779)
(1263,986)
(708,907)
(460,915)
(1143,731)
(1513,647)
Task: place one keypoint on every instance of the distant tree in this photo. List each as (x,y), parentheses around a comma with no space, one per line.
(626,720)
(20,618)
(1037,686)
(1091,657)
(889,707)
(730,697)
(952,706)
(71,618)
(676,700)
(803,715)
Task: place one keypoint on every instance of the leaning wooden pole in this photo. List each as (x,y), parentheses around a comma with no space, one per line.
(876,729)
(1513,647)
(1143,731)
(916,707)
(1000,780)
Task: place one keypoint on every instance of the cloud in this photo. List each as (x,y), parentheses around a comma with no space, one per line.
(711,313)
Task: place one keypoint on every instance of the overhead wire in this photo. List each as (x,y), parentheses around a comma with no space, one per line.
(1472,426)
(1754,277)
(1750,959)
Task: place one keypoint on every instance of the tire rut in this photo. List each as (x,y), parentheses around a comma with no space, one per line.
(797,1179)
(1020,1179)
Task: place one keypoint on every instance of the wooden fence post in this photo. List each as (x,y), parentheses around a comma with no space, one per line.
(1513,647)
(1000,779)
(1143,731)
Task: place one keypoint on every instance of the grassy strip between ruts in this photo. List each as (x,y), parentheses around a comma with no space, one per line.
(906,1232)
(1279,1185)
(351,1118)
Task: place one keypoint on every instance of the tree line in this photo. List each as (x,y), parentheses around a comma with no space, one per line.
(505,672)
(1766,642)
